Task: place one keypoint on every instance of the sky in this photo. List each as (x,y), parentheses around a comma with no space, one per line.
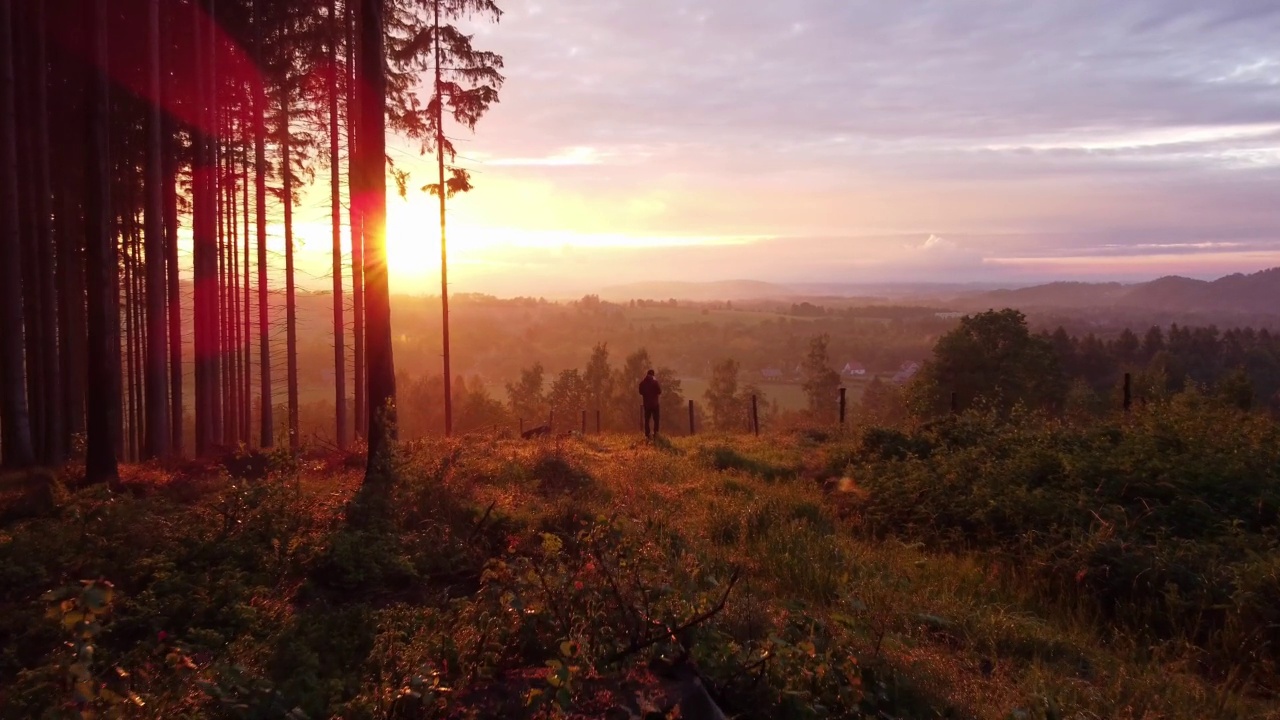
(862,141)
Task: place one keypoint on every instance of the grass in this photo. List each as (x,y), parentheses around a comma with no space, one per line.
(508,579)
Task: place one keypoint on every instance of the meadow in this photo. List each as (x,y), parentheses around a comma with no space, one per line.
(973,567)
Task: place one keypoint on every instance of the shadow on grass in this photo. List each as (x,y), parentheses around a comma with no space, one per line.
(723,457)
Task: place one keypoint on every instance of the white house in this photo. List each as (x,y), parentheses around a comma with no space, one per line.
(906,372)
(853,368)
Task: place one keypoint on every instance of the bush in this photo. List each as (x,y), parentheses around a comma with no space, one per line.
(1154,518)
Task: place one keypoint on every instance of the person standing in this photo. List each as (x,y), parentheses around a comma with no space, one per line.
(650,390)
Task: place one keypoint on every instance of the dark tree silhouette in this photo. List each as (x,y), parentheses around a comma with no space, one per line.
(157,424)
(103,407)
(466,84)
(14,417)
(371,193)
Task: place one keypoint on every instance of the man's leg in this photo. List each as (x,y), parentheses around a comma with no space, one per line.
(648,415)
(657,419)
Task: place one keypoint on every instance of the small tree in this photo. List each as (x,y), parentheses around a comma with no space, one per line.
(722,395)
(626,398)
(672,401)
(568,396)
(993,356)
(821,382)
(1237,389)
(599,378)
(527,398)
(883,404)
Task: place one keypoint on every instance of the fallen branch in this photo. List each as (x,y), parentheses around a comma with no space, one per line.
(674,634)
(480,524)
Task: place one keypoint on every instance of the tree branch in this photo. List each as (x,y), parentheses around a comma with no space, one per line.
(697,620)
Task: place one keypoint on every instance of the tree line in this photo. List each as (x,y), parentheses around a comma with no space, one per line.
(132,130)
(993,360)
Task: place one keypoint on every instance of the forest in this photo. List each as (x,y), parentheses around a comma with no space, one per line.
(147,147)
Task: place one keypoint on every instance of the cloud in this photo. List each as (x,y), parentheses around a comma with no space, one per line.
(1056,123)
(579,155)
(933,243)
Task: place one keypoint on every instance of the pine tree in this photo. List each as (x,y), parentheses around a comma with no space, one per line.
(466,84)
(14,418)
(258,113)
(204,250)
(157,405)
(371,193)
(103,407)
(335,205)
(356,229)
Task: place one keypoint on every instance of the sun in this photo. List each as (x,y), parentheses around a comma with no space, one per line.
(413,241)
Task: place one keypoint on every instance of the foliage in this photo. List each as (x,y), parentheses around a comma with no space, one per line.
(820,381)
(730,405)
(1159,520)
(591,576)
(527,398)
(991,357)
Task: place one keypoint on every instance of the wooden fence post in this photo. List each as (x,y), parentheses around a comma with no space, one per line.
(691,417)
(1128,392)
(584,422)
(842,405)
(955,404)
(755,416)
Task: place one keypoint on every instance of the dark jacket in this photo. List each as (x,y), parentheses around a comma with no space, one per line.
(650,390)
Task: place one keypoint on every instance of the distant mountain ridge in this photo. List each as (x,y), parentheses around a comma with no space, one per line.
(697,291)
(1255,293)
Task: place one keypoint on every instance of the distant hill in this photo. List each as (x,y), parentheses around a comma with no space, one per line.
(697,291)
(760,290)
(1056,295)
(896,291)
(1256,293)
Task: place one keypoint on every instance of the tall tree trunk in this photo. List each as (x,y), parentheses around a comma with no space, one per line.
(101,263)
(70,232)
(290,290)
(28,217)
(229,242)
(114,293)
(219,198)
(373,201)
(157,396)
(130,333)
(55,445)
(174,287)
(70,277)
(356,229)
(204,259)
(444,245)
(138,308)
(14,419)
(260,214)
(246,389)
(214,125)
(335,204)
